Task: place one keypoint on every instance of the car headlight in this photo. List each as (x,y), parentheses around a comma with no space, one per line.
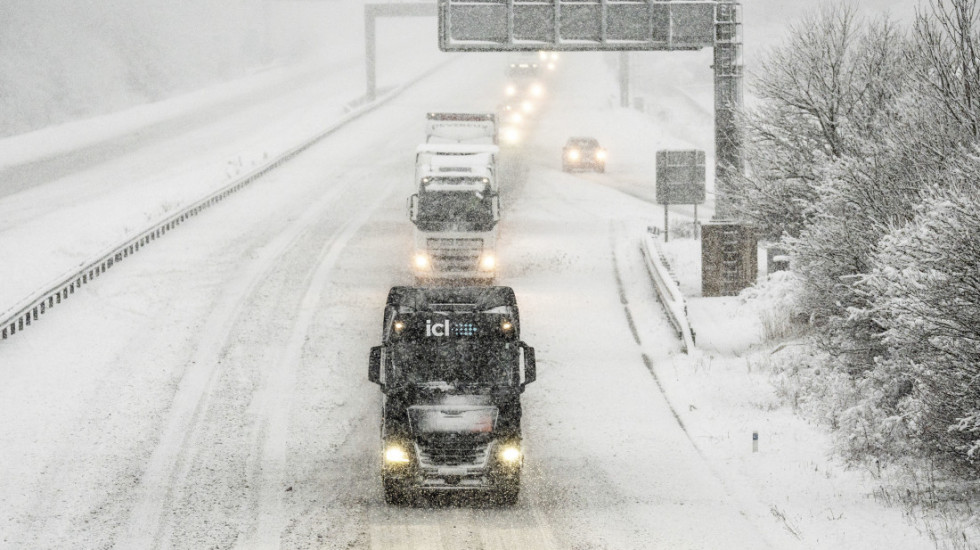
(421,261)
(488,262)
(527,106)
(573,154)
(600,154)
(510,89)
(396,455)
(511,135)
(510,454)
(537,90)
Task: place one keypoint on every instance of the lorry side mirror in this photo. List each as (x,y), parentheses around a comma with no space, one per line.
(374,365)
(530,368)
(413,203)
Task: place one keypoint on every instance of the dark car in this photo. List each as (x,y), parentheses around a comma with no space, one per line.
(583,153)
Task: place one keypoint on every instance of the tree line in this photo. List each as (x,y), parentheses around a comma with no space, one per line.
(862,158)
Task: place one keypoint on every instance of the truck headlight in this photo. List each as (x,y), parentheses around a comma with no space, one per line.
(510,454)
(488,262)
(396,455)
(421,261)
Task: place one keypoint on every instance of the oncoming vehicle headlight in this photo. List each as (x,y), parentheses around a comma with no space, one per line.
(421,261)
(511,135)
(600,154)
(527,106)
(510,89)
(573,154)
(516,118)
(510,453)
(537,90)
(396,455)
(488,262)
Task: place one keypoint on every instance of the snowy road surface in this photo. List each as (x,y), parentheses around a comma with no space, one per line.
(211,392)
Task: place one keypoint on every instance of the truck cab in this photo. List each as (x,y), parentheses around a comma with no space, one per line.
(451,368)
(455,214)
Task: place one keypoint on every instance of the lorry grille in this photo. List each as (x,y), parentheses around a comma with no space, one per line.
(454,254)
(447,452)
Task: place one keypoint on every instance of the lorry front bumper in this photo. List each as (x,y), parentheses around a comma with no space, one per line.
(485,471)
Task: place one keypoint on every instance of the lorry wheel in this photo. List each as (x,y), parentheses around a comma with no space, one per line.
(394,493)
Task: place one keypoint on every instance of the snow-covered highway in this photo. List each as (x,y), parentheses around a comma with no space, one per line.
(211,391)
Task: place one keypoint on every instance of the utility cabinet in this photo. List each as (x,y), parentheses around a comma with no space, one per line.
(729,258)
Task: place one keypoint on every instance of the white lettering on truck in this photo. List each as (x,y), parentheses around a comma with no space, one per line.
(438,329)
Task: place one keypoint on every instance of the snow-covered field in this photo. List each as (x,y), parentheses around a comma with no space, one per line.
(211,390)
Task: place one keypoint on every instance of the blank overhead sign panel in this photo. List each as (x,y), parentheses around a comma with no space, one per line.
(577,25)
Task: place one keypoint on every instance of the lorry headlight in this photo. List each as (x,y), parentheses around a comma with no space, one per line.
(510,454)
(488,262)
(421,261)
(396,455)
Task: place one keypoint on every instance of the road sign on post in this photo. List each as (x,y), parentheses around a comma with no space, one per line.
(680,177)
(680,180)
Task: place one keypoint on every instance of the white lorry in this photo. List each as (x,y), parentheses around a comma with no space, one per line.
(472,128)
(456,207)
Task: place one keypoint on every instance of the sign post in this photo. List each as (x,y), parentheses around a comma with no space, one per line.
(680,180)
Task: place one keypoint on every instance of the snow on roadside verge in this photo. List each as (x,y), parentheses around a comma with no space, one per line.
(724,395)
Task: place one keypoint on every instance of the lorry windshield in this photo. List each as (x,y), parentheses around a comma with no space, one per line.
(455,210)
(456,362)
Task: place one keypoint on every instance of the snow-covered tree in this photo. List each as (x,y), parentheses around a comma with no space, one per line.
(820,94)
(925,285)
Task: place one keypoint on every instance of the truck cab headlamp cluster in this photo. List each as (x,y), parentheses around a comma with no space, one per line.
(394,454)
(506,326)
(399,326)
(510,453)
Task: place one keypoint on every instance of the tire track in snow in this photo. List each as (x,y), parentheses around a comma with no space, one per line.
(269,472)
(171,461)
